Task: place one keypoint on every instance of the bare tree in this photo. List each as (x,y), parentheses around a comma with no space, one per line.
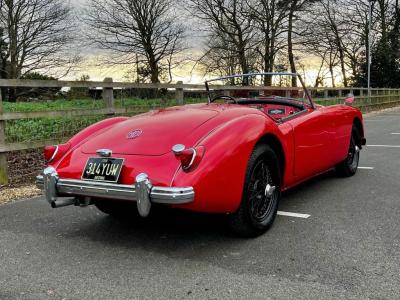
(231,28)
(295,29)
(326,35)
(143,29)
(270,18)
(36,35)
(219,58)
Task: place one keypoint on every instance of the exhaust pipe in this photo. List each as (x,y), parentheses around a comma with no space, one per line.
(63,202)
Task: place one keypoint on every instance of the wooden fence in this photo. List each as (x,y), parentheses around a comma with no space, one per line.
(377,99)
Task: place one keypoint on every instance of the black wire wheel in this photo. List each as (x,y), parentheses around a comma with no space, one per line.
(349,166)
(261,191)
(261,194)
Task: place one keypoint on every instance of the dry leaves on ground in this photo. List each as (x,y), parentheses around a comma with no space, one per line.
(9,194)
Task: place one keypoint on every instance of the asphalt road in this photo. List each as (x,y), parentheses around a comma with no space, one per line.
(349,248)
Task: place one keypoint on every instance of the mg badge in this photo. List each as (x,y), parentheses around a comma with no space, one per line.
(134,134)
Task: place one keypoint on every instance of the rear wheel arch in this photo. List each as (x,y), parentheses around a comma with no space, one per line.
(261,194)
(275,144)
(357,124)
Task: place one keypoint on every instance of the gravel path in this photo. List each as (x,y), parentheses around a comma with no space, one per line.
(23,192)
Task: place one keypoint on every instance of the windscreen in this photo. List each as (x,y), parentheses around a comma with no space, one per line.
(258,87)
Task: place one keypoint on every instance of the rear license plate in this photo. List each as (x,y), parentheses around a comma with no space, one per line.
(103,169)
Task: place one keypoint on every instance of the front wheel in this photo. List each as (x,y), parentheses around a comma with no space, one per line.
(349,166)
(261,194)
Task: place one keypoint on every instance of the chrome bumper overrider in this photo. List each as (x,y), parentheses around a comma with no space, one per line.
(143,192)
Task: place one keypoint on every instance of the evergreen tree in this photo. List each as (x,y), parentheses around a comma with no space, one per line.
(385,62)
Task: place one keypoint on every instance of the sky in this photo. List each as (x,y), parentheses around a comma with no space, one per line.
(92,65)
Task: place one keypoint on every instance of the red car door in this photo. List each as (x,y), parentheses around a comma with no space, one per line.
(312,140)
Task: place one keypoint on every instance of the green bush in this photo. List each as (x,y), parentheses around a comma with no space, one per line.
(40,129)
(47,128)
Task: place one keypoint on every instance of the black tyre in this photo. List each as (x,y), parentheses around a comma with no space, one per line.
(117,208)
(261,194)
(349,166)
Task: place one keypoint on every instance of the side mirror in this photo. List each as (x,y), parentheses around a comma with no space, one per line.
(349,100)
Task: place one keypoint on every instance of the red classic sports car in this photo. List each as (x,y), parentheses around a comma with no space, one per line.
(233,155)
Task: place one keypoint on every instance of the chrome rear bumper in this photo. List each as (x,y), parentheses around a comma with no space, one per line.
(142,192)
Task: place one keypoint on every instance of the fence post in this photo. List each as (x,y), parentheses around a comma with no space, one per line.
(3,155)
(226,93)
(108,96)
(179,94)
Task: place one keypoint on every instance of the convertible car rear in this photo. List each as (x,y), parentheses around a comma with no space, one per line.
(233,155)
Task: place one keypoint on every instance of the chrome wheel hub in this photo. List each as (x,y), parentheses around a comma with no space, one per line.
(269,190)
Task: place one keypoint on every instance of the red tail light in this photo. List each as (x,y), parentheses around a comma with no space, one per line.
(190,158)
(53,153)
(349,99)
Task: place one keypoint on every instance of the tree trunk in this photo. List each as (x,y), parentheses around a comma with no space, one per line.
(384,28)
(3,75)
(244,66)
(267,68)
(342,63)
(155,73)
(290,44)
(13,41)
(332,75)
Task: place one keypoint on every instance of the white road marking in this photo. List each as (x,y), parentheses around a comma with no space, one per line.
(385,146)
(294,215)
(366,168)
(395,133)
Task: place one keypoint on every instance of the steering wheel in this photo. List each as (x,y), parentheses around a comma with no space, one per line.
(224,97)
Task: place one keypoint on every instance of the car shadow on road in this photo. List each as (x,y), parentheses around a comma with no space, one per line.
(173,229)
(167,231)
(310,185)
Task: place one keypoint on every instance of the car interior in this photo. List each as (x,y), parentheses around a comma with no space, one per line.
(279,100)
(277,111)
(277,107)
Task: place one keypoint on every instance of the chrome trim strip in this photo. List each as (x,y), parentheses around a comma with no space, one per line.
(143,190)
(165,195)
(96,189)
(54,154)
(104,152)
(58,187)
(192,160)
(50,178)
